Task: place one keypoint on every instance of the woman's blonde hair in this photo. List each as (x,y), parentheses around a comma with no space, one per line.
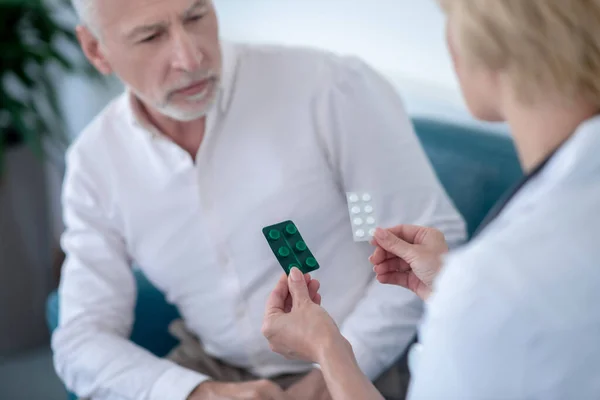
(543,45)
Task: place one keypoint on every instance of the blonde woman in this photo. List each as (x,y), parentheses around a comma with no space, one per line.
(515,314)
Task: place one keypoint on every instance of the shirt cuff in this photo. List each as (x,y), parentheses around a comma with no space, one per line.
(365,358)
(176,383)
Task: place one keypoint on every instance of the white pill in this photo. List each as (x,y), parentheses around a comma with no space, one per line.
(370,220)
(360,233)
(372,232)
(353,198)
(368,209)
(358,221)
(355,210)
(366,197)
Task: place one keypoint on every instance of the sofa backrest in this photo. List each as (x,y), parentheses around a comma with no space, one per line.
(475,166)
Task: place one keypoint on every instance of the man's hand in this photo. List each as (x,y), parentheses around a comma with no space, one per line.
(311,387)
(295,324)
(409,256)
(254,390)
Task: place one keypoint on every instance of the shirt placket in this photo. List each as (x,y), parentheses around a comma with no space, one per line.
(217,223)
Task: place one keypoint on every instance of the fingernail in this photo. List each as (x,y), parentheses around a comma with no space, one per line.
(381,233)
(296,275)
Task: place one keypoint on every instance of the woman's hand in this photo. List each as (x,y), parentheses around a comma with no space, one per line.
(295,324)
(409,256)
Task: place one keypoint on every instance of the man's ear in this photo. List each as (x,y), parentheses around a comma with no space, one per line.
(92,50)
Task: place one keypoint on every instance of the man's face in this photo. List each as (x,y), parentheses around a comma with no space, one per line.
(166,51)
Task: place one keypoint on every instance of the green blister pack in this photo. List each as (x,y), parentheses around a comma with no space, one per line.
(289,248)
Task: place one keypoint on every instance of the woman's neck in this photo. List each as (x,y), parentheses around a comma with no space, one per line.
(539,129)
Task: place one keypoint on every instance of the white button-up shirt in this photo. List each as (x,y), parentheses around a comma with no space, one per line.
(291,132)
(515,314)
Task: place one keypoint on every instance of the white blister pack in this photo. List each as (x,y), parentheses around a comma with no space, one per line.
(362,215)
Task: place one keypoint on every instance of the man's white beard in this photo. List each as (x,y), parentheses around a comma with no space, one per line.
(183,115)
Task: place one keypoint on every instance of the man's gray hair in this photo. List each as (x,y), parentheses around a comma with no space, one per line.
(85,10)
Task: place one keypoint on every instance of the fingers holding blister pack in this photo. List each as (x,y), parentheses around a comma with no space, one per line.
(362,215)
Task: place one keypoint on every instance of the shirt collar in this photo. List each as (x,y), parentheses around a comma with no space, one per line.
(579,152)
(229,61)
(575,158)
(229,57)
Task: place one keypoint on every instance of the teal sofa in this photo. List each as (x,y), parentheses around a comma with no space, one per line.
(474,165)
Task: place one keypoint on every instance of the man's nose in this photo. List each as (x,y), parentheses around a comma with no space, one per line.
(186,54)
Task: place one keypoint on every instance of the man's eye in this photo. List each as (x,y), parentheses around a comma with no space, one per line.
(149,39)
(195,18)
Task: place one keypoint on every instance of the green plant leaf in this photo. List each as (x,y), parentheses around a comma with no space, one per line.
(24,78)
(20,124)
(62,60)
(50,93)
(31,40)
(1,157)
(42,128)
(53,102)
(11,104)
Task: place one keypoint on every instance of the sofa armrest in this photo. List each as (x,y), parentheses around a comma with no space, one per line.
(152,317)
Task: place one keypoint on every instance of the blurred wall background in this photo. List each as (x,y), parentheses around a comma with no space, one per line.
(403,39)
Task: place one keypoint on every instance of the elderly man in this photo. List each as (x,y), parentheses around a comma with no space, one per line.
(210,142)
